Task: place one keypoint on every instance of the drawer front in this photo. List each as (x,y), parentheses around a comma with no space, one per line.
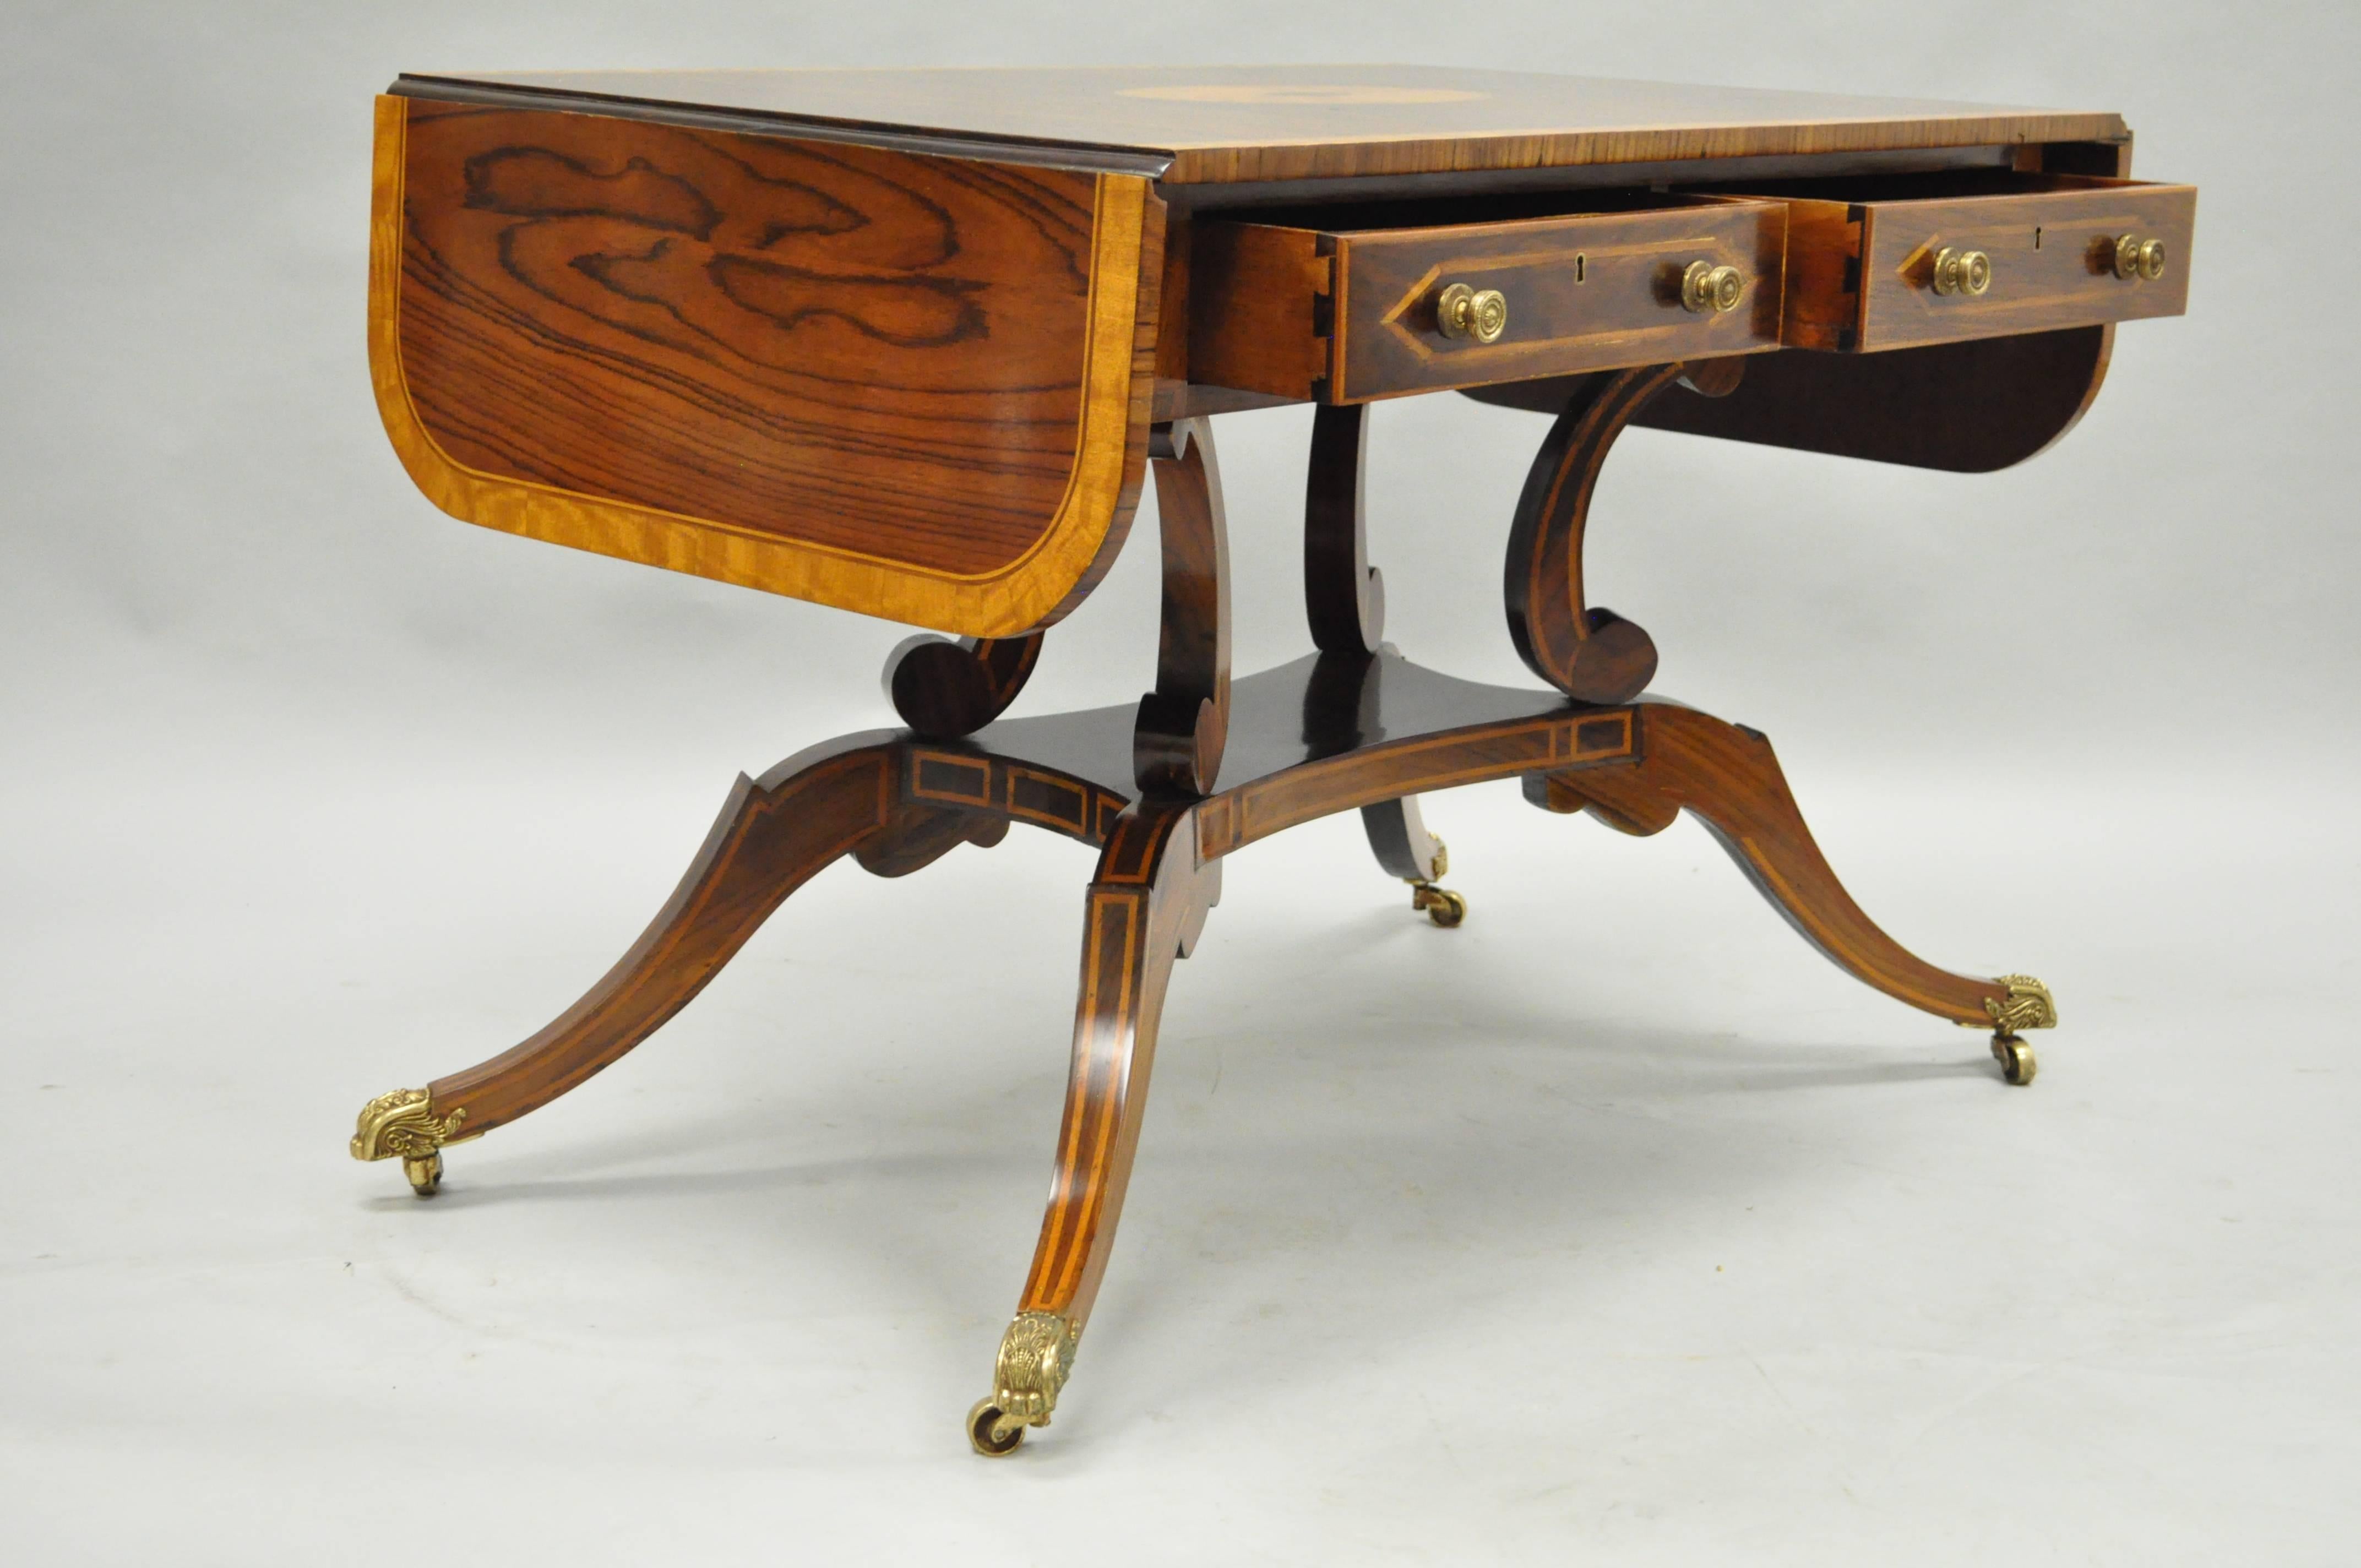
(1594,292)
(1865,276)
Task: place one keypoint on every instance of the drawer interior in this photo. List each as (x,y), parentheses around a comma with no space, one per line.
(1443,212)
(1930,185)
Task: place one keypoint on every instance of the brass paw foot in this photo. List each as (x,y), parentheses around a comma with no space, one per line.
(2028,1006)
(403,1124)
(1037,1356)
(1442,906)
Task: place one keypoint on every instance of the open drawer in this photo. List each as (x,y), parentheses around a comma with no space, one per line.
(1342,304)
(1893,261)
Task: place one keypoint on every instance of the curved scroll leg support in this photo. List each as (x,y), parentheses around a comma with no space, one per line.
(1590,653)
(1345,600)
(773,836)
(1343,595)
(1184,723)
(945,688)
(1399,837)
(1727,775)
(1145,908)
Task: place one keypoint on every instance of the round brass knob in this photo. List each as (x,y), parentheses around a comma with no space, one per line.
(1705,287)
(1480,313)
(1965,272)
(2137,257)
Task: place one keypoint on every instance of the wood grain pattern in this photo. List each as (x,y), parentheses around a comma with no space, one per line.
(773,836)
(856,362)
(2027,391)
(1143,910)
(1289,724)
(1037,793)
(1240,124)
(1593,292)
(910,387)
(2052,255)
(1591,289)
(1184,723)
(1822,308)
(1258,302)
(1342,713)
(1344,601)
(1585,651)
(1343,595)
(941,687)
(1728,777)
(1332,733)
(1398,836)
(893,804)
(1326,734)
(1394,761)
(915,837)
(1862,252)
(1172,345)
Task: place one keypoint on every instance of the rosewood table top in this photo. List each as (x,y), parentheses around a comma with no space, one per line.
(1225,125)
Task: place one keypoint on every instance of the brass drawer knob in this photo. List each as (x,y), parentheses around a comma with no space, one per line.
(1705,287)
(1965,272)
(1480,313)
(2137,257)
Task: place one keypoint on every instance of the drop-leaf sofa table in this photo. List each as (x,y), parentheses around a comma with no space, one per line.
(907,343)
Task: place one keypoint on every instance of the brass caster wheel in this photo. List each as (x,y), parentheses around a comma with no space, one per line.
(2015,1058)
(1442,906)
(425,1175)
(991,1432)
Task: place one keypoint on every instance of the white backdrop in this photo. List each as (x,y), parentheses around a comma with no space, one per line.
(1614,1220)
